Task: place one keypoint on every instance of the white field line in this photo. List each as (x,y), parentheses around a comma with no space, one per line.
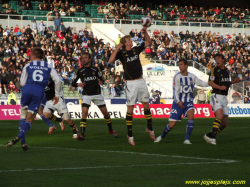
(104,167)
(144,154)
(211,161)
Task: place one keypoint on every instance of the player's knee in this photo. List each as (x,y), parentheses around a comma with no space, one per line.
(46,115)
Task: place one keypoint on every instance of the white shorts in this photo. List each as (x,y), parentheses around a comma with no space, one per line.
(60,107)
(96,99)
(136,90)
(218,101)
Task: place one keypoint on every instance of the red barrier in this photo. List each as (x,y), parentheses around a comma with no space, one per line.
(9,112)
(163,111)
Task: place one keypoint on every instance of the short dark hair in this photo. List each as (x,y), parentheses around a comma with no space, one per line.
(86,53)
(219,55)
(37,52)
(183,60)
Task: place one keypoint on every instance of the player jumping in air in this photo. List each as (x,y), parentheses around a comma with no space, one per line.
(135,86)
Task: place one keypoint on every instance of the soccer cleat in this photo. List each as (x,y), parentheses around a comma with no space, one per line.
(151,134)
(12,142)
(81,138)
(131,140)
(187,142)
(25,147)
(51,129)
(62,125)
(75,136)
(209,140)
(114,134)
(158,139)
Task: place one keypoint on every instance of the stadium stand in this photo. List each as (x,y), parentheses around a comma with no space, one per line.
(63,47)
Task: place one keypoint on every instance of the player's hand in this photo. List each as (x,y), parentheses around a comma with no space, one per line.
(81,84)
(144,29)
(222,88)
(120,45)
(55,99)
(180,104)
(236,80)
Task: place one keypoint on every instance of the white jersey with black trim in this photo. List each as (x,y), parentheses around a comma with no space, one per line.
(183,87)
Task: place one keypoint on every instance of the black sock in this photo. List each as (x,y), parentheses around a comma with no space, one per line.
(73,127)
(129,118)
(216,127)
(83,125)
(54,118)
(109,123)
(148,117)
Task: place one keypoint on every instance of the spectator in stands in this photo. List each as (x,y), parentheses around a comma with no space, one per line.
(57,23)
(12,98)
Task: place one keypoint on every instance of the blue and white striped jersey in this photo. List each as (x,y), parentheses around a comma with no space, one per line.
(183,87)
(39,72)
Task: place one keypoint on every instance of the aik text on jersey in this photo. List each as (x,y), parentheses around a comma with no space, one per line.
(89,75)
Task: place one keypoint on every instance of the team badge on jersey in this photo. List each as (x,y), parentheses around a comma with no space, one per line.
(93,73)
(212,78)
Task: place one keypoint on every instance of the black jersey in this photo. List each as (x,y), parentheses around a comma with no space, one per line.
(220,77)
(131,62)
(90,76)
(50,90)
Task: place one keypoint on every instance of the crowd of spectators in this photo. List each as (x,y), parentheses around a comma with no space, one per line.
(62,49)
(179,14)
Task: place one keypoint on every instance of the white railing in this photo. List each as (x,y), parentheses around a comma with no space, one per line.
(129,21)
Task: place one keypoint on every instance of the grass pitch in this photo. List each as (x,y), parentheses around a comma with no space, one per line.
(102,160)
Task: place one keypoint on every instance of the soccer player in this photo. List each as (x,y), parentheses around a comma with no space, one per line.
(183,89)
(91,79)
(135,85)
(219,80)
(60,107)
(34,79)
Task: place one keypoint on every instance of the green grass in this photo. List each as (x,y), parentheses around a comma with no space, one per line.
(102,160)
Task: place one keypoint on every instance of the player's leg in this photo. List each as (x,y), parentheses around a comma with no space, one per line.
(83,123)
(217,106)
(175,115)
(143,96)
(190,125)
(49,113)
(131,93)
(148,116)
(47,121)
(108,121)
(71,124)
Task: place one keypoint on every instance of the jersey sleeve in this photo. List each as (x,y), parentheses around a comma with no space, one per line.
(176,89)
(199,82)
(140,47)
(74,82)
(24,76)
(119,55)
(58,83)
(212,75)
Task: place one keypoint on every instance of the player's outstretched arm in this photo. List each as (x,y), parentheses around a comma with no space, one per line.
(58,83)
(24,76)
(113,56)
(147,38)
(201,83)
(216,86)
(237,80)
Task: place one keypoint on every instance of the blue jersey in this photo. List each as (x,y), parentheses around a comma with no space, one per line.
(183,87)
(34,79)
(36,72)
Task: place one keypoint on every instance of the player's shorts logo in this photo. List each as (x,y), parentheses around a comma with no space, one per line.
(174,111)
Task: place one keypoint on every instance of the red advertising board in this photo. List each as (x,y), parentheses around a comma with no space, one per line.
(163,111)
(9,112)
